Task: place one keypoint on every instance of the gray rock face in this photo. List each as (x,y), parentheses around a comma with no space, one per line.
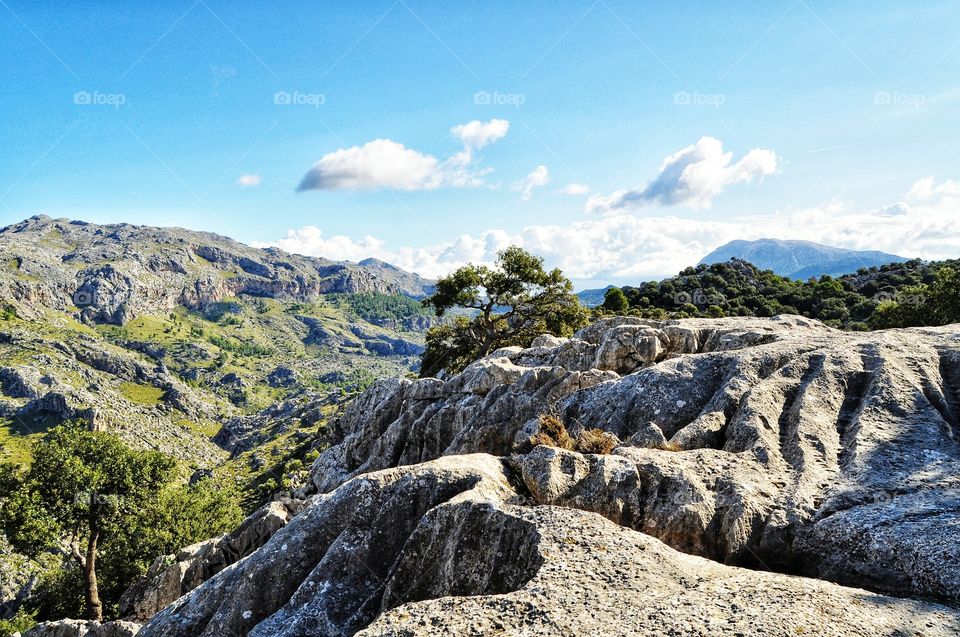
(113,273)
(769,443)
(451,547)
(770,475)
(81,628)
(18,576)
(171,576)
(490,405)
(325,572)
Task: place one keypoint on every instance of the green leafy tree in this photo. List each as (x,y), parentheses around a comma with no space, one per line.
(82,489)
(615,301)
(511,304)
(178,516)
(936,303)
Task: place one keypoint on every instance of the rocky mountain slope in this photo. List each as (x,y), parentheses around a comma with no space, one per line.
(113,273)
(190,342)
(770,477)
(800,259)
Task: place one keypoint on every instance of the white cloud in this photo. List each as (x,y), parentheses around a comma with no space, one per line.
(537,178)
(574,189)
(309,240)
(928,190)
(691,177)
(893,210)
(477,134)
(384,163)
(628,248)
(248,181)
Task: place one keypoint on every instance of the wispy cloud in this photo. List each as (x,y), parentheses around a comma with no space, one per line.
(248,181)
(692,177)
(574,189)
(538,177)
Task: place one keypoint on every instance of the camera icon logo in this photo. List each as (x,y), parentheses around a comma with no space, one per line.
(83,298)
(282,98)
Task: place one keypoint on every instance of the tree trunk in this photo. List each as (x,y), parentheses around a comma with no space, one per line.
(94,606)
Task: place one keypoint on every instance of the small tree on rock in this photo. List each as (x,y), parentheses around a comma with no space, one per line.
(512,303)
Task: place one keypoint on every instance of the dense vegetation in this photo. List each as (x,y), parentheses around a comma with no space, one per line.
(380,308)
(95,513)
(511,304)
(895,295)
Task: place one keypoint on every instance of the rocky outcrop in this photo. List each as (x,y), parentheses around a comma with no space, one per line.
(493,404)
(18,576)
(243,433)
(768,443)
(452,547)
(81,628)
(770,477)
(171,576)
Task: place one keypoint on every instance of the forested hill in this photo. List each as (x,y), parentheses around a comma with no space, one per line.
(860,300)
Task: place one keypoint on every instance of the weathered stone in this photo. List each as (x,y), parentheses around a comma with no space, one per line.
(447,547)
(81,628)
(772,443)
(171,576)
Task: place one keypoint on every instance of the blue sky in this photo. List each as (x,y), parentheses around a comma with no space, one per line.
(836,116)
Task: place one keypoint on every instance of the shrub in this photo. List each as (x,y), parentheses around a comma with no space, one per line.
(20,622)
(510,304)
(615,301)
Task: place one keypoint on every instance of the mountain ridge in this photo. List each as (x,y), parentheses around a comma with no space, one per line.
(798,259)
(113,273)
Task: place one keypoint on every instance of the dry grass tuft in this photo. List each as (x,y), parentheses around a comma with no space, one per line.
(596,441)
(552,433)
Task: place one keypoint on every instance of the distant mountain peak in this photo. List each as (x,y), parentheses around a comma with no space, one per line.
(800,259)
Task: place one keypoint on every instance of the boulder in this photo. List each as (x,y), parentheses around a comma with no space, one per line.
(452,547)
